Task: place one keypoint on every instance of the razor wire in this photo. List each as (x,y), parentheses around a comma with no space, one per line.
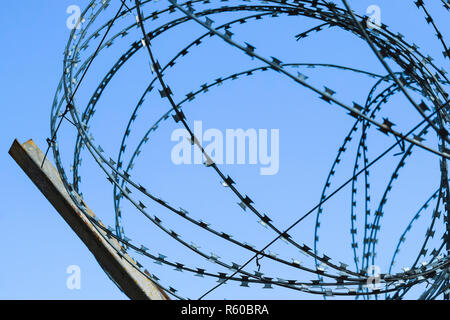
(419,75)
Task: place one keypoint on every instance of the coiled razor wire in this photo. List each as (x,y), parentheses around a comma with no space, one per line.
(328,277)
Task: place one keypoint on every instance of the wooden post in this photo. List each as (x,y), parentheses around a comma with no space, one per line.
(120,269)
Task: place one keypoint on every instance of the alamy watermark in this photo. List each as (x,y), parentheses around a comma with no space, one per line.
(373,281)
(74,20)
(73,281)
(236,146)
(374,17)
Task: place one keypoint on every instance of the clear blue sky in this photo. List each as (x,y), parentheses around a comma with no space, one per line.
(38,246)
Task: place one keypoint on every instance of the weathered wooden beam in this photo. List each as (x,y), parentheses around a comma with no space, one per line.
(120,269)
